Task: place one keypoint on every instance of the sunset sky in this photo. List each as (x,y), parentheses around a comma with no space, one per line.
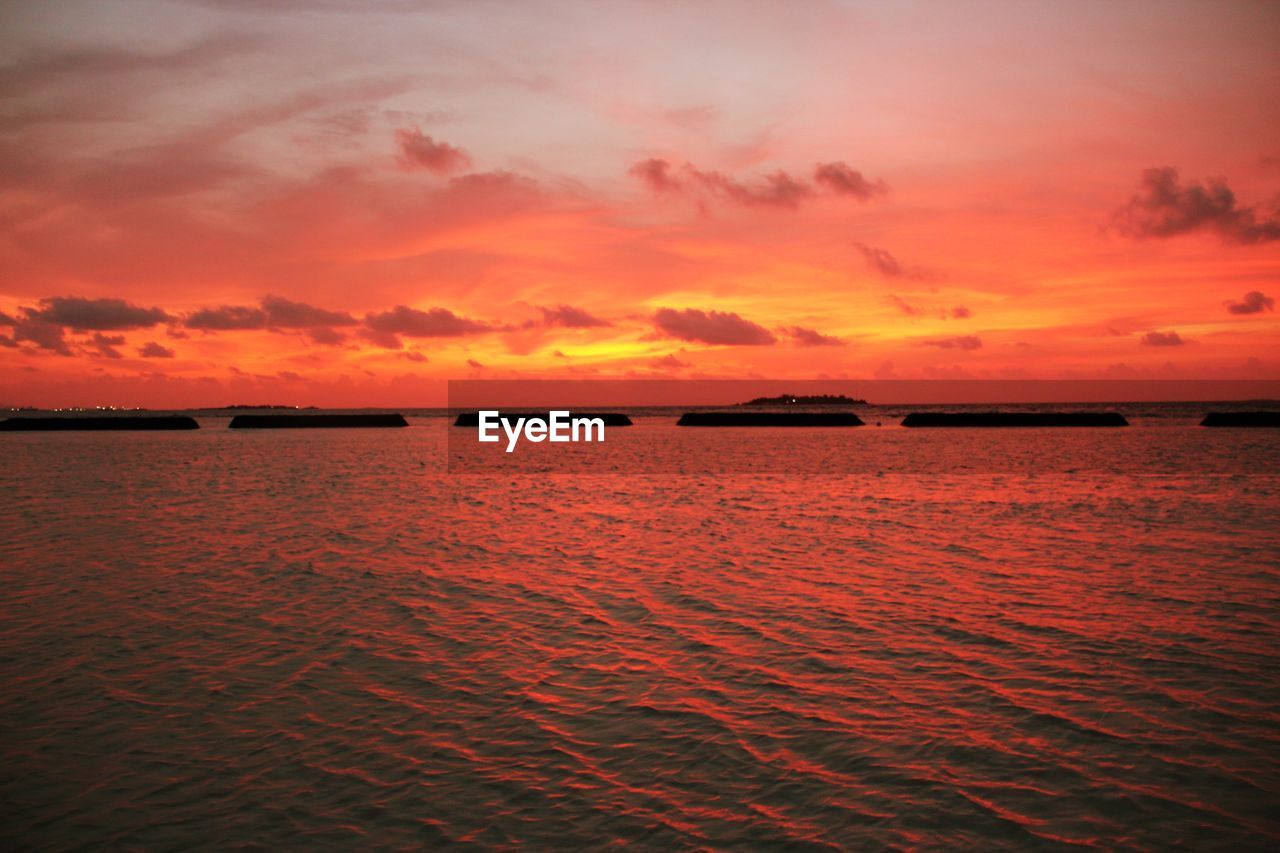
(347,204)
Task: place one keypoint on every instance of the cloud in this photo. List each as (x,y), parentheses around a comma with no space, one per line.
(6,341)
(385,328)
(904,306)
(883,262)
(961,313)
(1162,339)
(6,320)
(275,312)
(811,338)
(106,344)
(227,318)
(880,260)
(43,335)
(655,174)
(419,151)
(154,350)
(841,180)
(1254,302)
(471,362)
(571,318)
(777,189)
(1162,207)
(668,362)
(95,314)
(964,342)
(326,336)
(774,190)
(414,355)
(386,340)
(711,327)
(283,313)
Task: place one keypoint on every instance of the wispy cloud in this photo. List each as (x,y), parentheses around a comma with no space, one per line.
(777,189)
(961,342)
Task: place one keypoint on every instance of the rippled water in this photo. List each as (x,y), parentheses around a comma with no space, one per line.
(327,639)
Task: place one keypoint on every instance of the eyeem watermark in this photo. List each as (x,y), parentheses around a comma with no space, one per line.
(558,426)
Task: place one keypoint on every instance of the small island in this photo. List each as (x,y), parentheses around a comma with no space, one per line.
(805,400)
(255,406)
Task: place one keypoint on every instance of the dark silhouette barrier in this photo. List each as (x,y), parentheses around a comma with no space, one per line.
(472,419)
(769,419)
(316,421)
(1014,419)
(1241,419)
(99,422)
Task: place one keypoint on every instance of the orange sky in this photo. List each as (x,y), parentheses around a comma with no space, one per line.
(346,204)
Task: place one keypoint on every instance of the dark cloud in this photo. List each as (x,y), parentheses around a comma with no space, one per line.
(414,355)
(571,318)
(386,340)
(961,313)
(1254,302)
(95,314)
(326,336)
(154,350)
(711,327)
(275,312)
(1163,207)
(778,189)
(283,313)
(6,320)
(1162,339)
(419,151)
(227,318)
(44,335)
(841,180)
(6,341)
(385,328)
(106,344)
(473,363)
(811,338)
(965,342)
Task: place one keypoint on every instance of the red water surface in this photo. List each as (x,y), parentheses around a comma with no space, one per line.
(328,639)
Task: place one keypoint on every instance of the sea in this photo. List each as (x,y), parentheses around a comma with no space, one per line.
(764,638)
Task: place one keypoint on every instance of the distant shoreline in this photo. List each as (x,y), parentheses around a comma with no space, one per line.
(1264,403)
